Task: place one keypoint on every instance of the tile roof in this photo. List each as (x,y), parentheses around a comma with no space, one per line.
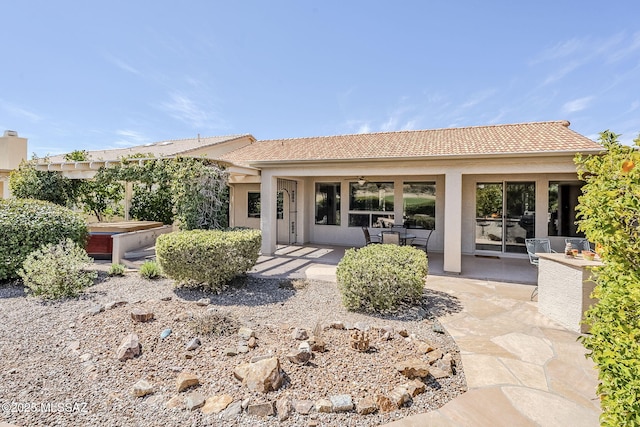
(168,148)
(524,138)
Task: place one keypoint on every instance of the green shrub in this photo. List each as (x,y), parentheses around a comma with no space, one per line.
(117,270)
(609,215)
(150,270)
(381,277)
(27,224)
(57,270)
(207,257)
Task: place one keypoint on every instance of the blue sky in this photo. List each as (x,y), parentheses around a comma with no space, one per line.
(109,74)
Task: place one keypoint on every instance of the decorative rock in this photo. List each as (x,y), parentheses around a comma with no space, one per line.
(175,402)
(359,341)
(434,355)
(386,336)
(141,315)
(202,302)
(305,346)
(262,376)
(336,325)
(113,304)
(283,408)
(303,407)
(261,409)
(437,327)
(74,345)
(413,368)
(300,334)
(216,404)
(243,349)
(165,333)
(85,357)
(166,298)
(415,387)
(188,355)
(252,342)
(141,388)
(299,357)
(186,380)
(246,333)
(341,403)
(399,396)
(323,405)
(245,403)
(403,333)
(385,404)
(317,344)
(193,344)
(194,400)
(230,351)
(442,368)
(425,347)
(96,309)
(366,406)
(232,411)
(129,348)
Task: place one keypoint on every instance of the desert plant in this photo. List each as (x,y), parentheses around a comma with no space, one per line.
(609,215)
(208,258)
(117,270)
(214,323)
(57,270)
(27,224)
(150,270)
(379,278)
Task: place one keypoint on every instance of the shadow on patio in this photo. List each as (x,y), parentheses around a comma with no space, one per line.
(319,262)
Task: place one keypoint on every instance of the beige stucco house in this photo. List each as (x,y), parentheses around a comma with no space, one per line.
(482,190)
(13,150)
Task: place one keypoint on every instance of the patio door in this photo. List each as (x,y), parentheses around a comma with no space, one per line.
(505,216)
(287,212)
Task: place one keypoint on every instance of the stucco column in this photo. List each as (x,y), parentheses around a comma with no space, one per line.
(268,187)
(453,222)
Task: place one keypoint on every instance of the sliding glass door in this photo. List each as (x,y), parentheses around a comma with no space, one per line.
(505,215)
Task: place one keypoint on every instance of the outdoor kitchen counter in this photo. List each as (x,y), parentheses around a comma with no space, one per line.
(564,289)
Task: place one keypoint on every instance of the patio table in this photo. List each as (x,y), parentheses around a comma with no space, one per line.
(403,237)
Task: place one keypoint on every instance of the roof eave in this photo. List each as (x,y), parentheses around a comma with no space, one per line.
(558,153)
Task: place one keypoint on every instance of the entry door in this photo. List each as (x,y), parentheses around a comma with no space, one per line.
(286,212)
(505,216)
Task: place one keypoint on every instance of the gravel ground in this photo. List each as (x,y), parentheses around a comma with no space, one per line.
(55,353)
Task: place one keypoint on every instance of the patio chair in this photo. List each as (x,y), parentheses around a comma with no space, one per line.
(581,244)
(391,238)
(536,246)
(422,242)
(368,240)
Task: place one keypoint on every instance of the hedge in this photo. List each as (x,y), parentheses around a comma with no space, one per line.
(28,224)
(379,278)
(208,258)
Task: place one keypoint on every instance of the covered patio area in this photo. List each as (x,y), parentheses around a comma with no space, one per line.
(319,262)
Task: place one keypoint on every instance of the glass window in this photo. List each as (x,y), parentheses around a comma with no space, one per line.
(419,204)
(253,204)
(563,199)
(328,203)
(368,203)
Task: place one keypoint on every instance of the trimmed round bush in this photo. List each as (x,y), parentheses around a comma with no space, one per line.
(28,224)
(57,270)
(379,278)
(208,258)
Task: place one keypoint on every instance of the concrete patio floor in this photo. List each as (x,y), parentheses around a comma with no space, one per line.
(522,369)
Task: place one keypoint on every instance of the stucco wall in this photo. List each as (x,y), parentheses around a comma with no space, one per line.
(239,213)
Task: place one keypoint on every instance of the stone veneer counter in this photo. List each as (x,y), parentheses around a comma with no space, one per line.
(564,289)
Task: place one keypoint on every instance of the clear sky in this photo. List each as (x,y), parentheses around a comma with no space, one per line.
(108,74)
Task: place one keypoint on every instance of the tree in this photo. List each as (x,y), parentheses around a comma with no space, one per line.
(28,183)
(609,215)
